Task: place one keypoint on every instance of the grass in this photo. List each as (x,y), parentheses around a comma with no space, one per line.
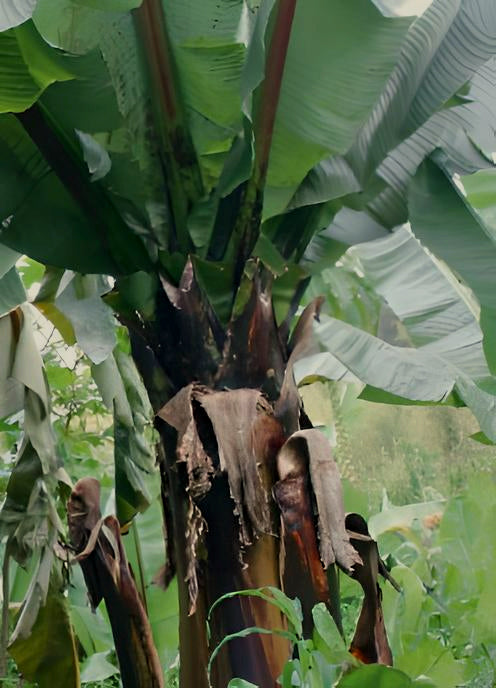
(414,453)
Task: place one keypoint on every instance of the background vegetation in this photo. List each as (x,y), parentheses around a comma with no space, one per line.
(428,489)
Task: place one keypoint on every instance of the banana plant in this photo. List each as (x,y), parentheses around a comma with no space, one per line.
(199,171)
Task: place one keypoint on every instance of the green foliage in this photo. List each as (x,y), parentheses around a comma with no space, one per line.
(441,624)
(132,140)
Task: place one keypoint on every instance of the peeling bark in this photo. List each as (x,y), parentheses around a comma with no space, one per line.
(233,415)
(302,573)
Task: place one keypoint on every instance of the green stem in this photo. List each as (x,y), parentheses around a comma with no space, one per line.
(271,88)
(177,152)
(249,220)
(63,156)
(4,636)
(139,559)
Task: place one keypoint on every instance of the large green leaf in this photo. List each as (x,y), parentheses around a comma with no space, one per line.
(466,135)
(375,676)
(27,67)
(340,62)
(412,117)
(437,312)
(443,49)
(123,392)
(111,96)
(56,222)
(446,224)
(47,653)
(415,374)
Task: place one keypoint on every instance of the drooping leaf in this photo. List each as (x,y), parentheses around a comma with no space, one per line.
(439,315)
(13,13)
(426,75)
(47,654)
(414,374)
(442,221)
(79,299)
(123,392)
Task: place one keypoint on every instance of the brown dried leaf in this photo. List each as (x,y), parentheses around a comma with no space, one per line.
(370,643)
(287,408)
(178,413)
(233,415)
(253,355)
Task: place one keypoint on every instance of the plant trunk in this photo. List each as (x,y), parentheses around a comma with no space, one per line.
(250,498)
(218,469)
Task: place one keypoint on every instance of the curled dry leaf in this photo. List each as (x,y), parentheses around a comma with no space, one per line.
(370,643)
(309,451)
(100,552)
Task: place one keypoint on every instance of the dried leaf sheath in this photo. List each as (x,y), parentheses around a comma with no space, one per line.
(306,470)
(370,643)
(101,554)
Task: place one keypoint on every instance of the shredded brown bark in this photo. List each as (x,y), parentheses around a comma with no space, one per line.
(231,433)
(233,414)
